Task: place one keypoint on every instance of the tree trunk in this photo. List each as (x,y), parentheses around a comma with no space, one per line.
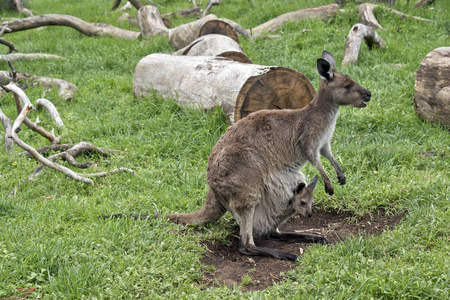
(207,82)
(325,12)
(357,34)
(432,87)
(215,45)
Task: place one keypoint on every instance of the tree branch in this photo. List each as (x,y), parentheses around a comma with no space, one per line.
(354,38)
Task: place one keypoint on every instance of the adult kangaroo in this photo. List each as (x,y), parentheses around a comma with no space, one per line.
(254,169)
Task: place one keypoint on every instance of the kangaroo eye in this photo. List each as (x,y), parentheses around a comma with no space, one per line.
(348,86)
(302,203)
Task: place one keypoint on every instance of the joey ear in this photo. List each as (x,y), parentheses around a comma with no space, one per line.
(329,58)
(324,69)
(313,183)
(300,187)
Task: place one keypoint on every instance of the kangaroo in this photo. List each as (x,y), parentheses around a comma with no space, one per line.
(255,166)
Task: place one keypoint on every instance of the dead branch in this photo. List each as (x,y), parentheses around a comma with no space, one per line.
(423,3)
(116,4)
(27,56)
(127,6)
(325,12)
(51,109)
(209,5)
(367,17)
(15,129)
(137,4)
(20,8)
(48,163)
(408,16)
(8,137)
(19,97)
(357,34)
(66,89)
(89,29)
(195,11)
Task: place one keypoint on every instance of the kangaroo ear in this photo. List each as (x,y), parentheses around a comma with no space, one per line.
(329,58)
(312,184)
(300,187)
(324,69)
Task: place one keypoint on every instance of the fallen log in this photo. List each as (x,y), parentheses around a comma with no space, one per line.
(215,45)
(325,13)
(206,82)
(357,34)
(432,87)
(367,17)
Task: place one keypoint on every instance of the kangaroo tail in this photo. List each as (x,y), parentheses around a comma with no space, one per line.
(211,211)
(134,216)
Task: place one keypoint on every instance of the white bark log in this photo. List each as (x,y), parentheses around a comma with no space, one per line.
(207,82)
(183,35)
(215,45)
(150,22)
(357,34)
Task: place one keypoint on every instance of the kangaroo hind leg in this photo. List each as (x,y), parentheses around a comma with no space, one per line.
(246,243)
(297,237)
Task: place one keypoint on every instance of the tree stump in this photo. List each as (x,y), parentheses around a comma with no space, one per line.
(207,82)
(215,45)
(432,87)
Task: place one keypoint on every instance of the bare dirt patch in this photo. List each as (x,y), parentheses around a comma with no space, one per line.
(231,267)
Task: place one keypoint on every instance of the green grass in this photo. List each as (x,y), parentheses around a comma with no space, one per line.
(52,239)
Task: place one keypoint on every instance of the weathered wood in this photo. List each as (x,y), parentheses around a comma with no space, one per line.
(183,35)
(325,13)
(423,3)
(215,45)
(150,22)
(89,29)
(66,89)
(6,122)
(432,87)
(367,17)
(195,11)
(357,34)
(219,27)
(20,8)
(28,56)
(207,82)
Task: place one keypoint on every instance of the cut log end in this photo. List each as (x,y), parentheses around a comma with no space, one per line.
(237,56)
(431,89)
(219,27)
(281,88)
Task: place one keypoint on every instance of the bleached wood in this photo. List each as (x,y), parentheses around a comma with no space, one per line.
(357,34)
(51,109)
(324,12)
(28,56)
(89,29)
(432,87)
(183,35)
(150,22)
(367,16)
(206,82)
(15,129)
(6,122)
(65,89)
(215,45)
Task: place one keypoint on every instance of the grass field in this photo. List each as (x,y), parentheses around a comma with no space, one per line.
(52,239)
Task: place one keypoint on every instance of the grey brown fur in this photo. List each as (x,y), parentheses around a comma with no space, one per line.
(254,168)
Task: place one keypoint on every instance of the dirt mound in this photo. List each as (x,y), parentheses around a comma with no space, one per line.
(231,267)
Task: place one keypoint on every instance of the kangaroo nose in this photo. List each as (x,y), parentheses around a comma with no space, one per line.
(368,95)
